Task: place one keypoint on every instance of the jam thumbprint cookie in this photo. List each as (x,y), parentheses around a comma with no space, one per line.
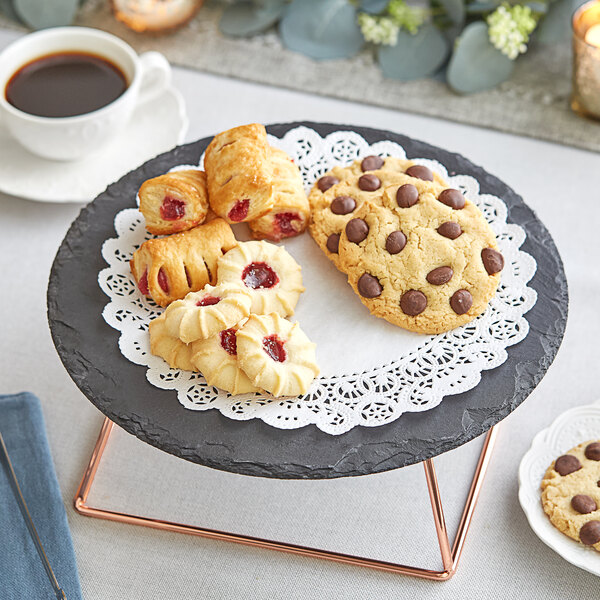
(268,272)
(276,355)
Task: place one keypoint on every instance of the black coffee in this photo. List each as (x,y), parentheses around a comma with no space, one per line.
(65,84)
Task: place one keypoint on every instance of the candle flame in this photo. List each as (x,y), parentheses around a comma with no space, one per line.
(592,35)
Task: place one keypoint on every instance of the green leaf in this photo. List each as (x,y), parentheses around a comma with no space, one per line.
(6,8)
(455,9)
(540,8)
(414,56)
(249,18)
(452,17)
(321,29)
(556,25)
(49,13)
(478,8)
(476,65)
(373,7)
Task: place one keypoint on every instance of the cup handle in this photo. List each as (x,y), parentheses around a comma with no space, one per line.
(156,75)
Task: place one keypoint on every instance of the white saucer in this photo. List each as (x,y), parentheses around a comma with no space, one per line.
(568,430)
(155,127)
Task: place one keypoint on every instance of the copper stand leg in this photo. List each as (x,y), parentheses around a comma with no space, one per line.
(438,517)
(450,555)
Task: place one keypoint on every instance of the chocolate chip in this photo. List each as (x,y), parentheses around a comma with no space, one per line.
(342,205)
(583,504)
(493,261)
(440,275)
(566,464)
(371,163)
(333,243)
(407,195)
(589,534)
(357,230)
(452,198)
(395,242)
(369,182)
(450,230)
(420,172)
(592,451)
(326,182)
(369,286)
(413,302)
(461,301)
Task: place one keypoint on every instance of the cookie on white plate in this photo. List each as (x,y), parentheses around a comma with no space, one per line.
(571,493)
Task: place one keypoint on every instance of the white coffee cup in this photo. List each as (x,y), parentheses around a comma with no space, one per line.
(70,138)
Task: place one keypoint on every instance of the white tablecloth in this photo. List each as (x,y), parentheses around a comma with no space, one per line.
(378,515)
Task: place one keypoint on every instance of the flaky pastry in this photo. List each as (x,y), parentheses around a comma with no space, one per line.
(239,174)
(290,212)
(167,269)
(174,201)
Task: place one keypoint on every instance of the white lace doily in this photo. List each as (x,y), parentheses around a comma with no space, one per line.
(371,371)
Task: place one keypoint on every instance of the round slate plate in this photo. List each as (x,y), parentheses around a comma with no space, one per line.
(89,350)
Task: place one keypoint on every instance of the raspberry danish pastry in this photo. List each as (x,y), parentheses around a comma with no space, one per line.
(216,358)
(268,272)
(174,201)
(276,355)
(167,269)
(171,349)
(238,173)
(203,314)
(290,212)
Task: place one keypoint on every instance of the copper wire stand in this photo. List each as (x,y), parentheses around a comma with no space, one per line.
(450,553)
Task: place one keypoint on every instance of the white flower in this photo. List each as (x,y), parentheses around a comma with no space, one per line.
(509,28)
(379,30)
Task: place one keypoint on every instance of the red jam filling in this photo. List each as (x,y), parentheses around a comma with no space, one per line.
(172,209)
(208,301)
(239,211)
(188,277)
(273,346)
(259,275)
(229,341)
(283,222)
(163,281)
(143,283)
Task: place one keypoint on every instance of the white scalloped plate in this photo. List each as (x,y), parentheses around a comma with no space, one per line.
(567,431)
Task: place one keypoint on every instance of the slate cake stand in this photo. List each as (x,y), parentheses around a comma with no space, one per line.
(88,348)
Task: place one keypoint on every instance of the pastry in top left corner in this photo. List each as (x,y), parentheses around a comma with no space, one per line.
(174,202)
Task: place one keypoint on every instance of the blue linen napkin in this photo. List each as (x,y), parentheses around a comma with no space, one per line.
(22,576)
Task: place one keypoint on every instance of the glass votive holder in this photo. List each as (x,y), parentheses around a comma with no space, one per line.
(585,99)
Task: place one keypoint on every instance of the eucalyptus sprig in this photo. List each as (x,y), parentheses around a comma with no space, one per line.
(473,43)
